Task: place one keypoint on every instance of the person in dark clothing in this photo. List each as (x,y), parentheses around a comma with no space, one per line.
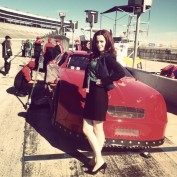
(86,46)
(102,70)
(23,80)
(28,48)
(37,50)
(58,48)
(6,54)
(78,45)
(48,57)
(23,48)
(48,53)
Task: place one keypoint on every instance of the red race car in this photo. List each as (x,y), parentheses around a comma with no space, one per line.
(136,114)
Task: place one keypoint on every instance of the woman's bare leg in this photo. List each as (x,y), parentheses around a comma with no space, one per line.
(99,132)
(95,145)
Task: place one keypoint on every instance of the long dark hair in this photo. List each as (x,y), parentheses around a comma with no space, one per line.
(109,48)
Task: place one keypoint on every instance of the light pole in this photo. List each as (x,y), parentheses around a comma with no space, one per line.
(92,17)
(139,8)
(136,39)
(73,25)
(62,16)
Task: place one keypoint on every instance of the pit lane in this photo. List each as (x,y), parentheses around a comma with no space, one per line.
(48,152)
(30,147)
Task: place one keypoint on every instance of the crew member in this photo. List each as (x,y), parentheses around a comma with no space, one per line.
(48,52)
(37,50)
(6,54)
(58,48)
(23,48)
(23,81)
(28,48)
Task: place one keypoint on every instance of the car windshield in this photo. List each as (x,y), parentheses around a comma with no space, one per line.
(78,61)
(61,59)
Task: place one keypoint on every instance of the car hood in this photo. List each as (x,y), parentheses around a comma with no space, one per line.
(132,92)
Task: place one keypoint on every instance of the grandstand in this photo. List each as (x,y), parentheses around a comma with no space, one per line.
(27,19)
(21,32)
(21,26)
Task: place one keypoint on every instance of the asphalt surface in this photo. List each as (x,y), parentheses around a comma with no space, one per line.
(30,147)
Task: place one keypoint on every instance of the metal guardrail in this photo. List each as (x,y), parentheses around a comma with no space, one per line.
(164,85)
(164,54)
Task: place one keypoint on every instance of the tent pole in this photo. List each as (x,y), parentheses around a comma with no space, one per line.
(136,39)
(100,21)
(115,24)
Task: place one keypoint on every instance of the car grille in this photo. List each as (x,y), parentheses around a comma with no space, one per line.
(125,112)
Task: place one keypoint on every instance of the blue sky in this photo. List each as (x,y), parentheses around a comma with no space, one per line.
(163,15)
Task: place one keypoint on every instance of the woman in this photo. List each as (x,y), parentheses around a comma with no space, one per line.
(100,74)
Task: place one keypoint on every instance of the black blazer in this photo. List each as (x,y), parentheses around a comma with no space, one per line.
(108,70)
(6,49)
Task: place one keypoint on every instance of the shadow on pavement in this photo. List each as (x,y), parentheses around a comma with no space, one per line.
(2,72)
(171,108)
(11,90)
(39,119)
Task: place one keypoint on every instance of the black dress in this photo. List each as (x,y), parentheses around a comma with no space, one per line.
(96,103)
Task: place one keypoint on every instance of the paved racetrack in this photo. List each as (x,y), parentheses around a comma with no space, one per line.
(29,147)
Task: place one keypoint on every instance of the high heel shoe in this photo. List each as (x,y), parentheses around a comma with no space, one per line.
(87,166)
(90,164)
(102,169)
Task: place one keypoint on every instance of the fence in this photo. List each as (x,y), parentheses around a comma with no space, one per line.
(160,54)
(166,86)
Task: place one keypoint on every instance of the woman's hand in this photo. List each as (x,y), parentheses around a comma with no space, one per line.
(98,82)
